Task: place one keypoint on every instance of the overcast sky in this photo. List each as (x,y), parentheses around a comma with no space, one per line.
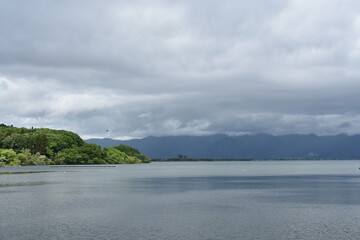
(181,67)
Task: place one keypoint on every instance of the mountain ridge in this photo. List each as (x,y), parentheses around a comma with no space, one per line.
(258,146)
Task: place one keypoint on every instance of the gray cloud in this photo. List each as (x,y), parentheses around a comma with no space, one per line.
(144,68)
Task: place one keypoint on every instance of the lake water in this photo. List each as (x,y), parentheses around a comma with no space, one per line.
(188,200)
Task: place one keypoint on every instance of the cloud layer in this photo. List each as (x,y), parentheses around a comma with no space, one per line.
(140,68)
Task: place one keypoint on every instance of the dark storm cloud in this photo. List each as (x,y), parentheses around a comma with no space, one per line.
(162,67)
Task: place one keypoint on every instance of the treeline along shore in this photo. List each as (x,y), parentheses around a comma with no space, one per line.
(186,159)
(43,146)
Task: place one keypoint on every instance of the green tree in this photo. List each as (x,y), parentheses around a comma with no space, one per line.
(114,156)
(133,152)
(86,154)
(26,158)
(16,141)
(8,157)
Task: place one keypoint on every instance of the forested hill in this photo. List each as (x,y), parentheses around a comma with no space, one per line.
(23,146)
(260,146)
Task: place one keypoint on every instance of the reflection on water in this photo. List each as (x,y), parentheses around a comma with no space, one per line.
(24,172)
(18,184)
(208,200)
(328,189)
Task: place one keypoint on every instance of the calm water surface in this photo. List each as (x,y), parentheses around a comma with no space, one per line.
(201,200)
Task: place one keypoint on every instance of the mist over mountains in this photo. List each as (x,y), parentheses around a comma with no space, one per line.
(260,146)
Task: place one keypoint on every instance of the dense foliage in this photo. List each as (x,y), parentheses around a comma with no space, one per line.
(44,141)
(35,146)
(24,157)
(132,152)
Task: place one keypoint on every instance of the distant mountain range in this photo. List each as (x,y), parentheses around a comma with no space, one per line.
(260,146)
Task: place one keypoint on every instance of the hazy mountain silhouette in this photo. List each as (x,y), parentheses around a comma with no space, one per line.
(260,146)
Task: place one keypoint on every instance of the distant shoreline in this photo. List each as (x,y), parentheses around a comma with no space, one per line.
(89,165)
(244,160)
